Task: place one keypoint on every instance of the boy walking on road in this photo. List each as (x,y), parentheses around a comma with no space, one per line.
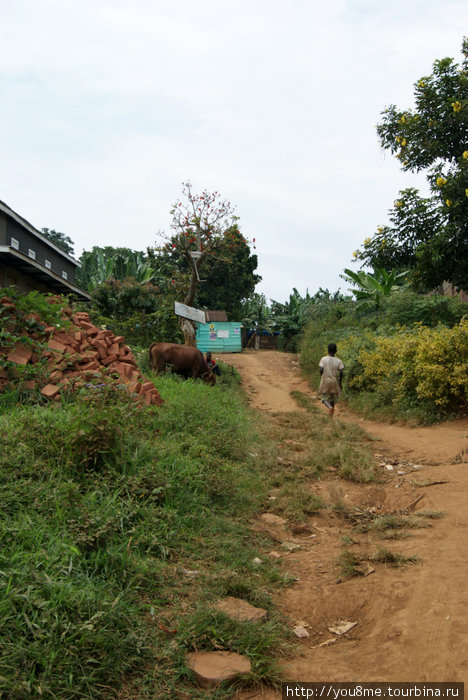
(331,370)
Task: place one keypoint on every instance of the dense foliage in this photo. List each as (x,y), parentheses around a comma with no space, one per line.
(371,289)
(290,318)
(418,371)
(256,313)
(406,358)
(429,235)
(230,281)
(226,281)
(141,329)
(206,245)
(129,295)
(100,265)
(107,512)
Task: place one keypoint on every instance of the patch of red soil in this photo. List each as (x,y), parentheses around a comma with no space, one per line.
(411,621)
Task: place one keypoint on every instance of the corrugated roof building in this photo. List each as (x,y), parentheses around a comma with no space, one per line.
(29,261)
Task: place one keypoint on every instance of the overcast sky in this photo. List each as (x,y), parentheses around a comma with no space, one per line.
(107,106)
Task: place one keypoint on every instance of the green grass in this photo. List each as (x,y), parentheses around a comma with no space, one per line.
(104,508)
(333,443)
(393,526)
(431,514)
(348,565)
(395,559)
(305,401)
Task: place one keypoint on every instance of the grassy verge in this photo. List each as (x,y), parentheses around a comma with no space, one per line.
(331,444)
(350,564)
(120,527)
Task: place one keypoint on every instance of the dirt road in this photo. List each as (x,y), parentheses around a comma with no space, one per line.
(411,622)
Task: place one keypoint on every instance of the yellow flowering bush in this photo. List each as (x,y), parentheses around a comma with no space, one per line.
(456,106)
(426,365)
(465,155)
(441,181)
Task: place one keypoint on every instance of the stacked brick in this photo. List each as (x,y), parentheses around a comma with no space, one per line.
(80,355)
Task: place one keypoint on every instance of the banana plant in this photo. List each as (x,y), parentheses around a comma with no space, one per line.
(372,288)
(99,268)
(290,317)
(256,313)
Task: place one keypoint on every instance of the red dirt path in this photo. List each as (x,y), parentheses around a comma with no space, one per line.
(411,622)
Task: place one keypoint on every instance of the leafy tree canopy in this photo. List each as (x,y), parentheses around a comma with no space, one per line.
(61,240)
(229,282)
(124,298)
(428,236)
(205,238)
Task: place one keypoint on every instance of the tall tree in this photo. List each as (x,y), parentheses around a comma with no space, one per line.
(61,240)
(429,235)
(200,224)
(229,282)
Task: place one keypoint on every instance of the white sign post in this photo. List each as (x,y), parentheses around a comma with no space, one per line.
(189,312)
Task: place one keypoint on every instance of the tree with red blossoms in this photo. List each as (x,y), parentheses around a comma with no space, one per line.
(200,223)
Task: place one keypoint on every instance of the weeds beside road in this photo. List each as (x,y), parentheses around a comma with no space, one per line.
(121,526)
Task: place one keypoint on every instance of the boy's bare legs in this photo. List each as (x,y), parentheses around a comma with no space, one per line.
(330,406)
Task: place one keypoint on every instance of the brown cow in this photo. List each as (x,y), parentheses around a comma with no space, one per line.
(183,359)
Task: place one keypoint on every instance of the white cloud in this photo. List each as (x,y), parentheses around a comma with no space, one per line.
(107,107)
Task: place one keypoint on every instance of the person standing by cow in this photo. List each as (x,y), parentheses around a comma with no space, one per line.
(212,364)
(331,371)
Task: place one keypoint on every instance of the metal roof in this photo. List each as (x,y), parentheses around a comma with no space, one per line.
(32,267)
(213,316)
(23,222)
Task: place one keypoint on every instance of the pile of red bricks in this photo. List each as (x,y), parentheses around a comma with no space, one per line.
(80,355)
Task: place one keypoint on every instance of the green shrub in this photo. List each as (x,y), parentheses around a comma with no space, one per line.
(414,371)
(408,309)
(141,328)
(418,366)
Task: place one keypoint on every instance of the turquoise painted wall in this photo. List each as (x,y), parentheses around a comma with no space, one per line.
(219,336)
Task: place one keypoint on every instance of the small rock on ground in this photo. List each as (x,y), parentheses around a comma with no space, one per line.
(213,667)
(273,519)
(290,546)
(239,609)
